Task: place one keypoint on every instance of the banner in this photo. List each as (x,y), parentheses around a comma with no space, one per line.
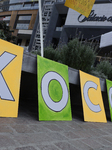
(53,90)
(10,74)
(82,6)
(109,92)
(92,101)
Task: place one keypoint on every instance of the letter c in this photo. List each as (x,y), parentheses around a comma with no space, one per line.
(87,86)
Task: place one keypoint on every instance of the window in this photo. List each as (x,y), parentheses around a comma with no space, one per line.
(22,26)
(24,17)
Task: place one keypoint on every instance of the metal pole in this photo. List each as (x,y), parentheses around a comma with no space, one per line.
(41,28)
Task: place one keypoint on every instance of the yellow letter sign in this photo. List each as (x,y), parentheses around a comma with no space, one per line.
(92,101)
(82,6)
(10,73)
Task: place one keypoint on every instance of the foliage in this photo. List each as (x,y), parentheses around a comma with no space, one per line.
(6,33)
(51,53)
(105,67)
(78,55)
(2,35)
(98,74)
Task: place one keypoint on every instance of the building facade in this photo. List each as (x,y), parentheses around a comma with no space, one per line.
(20,15)
(65,23)
(47,11)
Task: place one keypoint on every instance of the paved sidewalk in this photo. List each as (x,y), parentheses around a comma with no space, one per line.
(26,133)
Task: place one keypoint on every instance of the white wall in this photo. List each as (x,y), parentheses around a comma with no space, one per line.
(103,13)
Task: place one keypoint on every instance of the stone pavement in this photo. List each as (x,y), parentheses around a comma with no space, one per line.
(26,133)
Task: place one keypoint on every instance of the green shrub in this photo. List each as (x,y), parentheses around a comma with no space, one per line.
(78,55)
(105,67)
(98,74)
(51,53)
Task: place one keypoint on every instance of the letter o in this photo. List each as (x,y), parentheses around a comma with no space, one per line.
(47,78)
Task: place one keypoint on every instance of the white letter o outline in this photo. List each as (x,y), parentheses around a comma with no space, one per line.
(110,96)
(55,106)
(87,86)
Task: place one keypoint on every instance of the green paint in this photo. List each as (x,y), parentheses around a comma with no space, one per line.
(109,85)
(55,90)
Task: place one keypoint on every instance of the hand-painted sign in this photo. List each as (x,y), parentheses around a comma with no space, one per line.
(10,72)
(53,90)
(93,107)
(82,6)
(109,92)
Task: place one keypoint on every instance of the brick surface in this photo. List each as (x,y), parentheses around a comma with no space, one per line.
(26,148)
(5,129)
(27,133)
(38,128)
(22,128)
(32,138)
(103,142)
(53,127)
(65,145)
(70,135)
(48,147)
(82,133)
(6,141)
(80,145)
(92,143)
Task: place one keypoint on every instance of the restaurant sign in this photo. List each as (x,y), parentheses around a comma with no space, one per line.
(101,15)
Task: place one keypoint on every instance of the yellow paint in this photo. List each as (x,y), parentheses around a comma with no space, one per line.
(82,6)
(12,75)
(94,96)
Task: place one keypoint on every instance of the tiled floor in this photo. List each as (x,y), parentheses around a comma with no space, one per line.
(27,133)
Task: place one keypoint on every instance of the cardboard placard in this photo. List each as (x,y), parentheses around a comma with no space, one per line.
(109,92)
(92,101)
(53,90)
(10,73)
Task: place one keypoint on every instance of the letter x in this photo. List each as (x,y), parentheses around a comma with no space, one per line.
(5,93)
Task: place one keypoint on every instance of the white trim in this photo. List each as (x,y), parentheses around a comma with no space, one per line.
(25,31)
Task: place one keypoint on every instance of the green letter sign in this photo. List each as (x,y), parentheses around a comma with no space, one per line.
(53,90)
(109,92)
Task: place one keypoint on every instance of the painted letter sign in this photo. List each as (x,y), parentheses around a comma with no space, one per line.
(92,101)
(53,90)
(10,73)
(109,92)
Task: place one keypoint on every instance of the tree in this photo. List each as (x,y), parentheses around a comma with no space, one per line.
(6,33)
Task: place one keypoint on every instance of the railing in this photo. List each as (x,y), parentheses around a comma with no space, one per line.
(8,6)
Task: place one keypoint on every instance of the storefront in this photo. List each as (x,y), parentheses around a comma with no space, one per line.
(98,23)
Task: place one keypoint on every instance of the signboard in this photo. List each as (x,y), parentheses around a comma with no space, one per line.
(101,15)
(109,92)
(92,101)
(82,6)
(53,90)
(10,73)
(106,40)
